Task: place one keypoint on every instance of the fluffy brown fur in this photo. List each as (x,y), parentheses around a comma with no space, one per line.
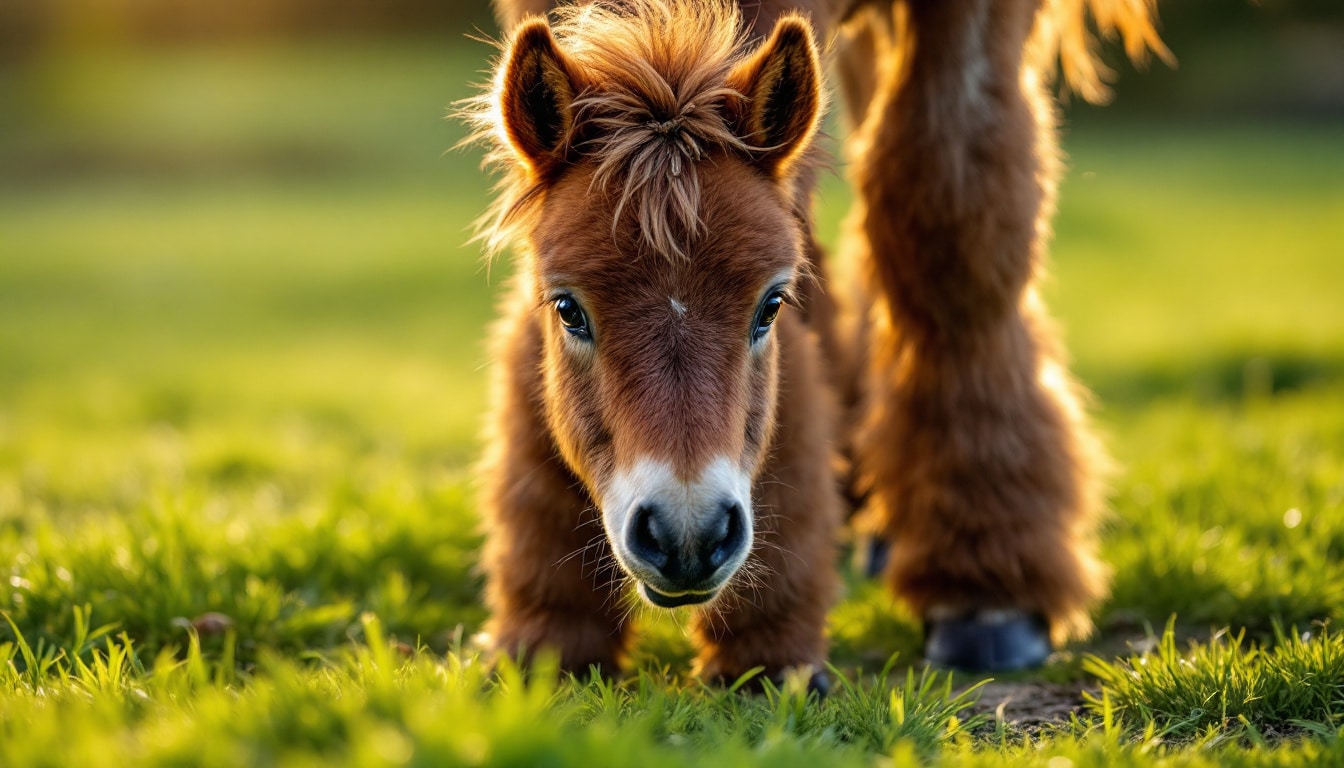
(962,429)
(970,438)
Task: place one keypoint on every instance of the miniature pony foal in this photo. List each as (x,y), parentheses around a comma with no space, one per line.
(651,379)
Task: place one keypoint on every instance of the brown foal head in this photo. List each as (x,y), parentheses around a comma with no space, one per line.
(652,159)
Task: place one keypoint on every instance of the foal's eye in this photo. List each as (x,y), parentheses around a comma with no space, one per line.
(766,314)
(572,317)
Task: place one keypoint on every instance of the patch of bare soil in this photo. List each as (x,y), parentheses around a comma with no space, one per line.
(1029,706)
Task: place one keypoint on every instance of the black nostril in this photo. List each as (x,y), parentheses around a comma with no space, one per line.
(645,540)
(686,560)
(727,535)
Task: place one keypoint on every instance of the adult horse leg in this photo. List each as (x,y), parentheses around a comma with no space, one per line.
(861,42)
(981,467)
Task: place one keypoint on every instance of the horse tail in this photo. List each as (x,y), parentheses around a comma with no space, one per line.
(1063,32)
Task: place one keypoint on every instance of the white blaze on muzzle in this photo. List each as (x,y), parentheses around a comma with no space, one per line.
(682,540)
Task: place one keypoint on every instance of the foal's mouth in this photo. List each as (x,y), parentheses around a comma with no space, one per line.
(677,600)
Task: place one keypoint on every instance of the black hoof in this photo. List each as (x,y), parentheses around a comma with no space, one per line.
(820,684)
(996,642)
(876,554)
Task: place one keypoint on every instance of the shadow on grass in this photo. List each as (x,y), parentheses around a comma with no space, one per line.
(1222,377)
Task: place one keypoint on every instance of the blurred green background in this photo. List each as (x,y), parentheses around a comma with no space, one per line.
(235,285)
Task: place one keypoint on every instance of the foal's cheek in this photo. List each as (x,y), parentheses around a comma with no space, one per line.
(762,394)
(575,413)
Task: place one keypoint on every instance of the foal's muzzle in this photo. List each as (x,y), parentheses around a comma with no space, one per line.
(685,563)
(682,540)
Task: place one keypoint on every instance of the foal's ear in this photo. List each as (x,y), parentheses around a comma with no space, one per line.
(782,85)
(536,93)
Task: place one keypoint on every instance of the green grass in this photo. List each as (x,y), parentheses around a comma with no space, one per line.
(1296,684)
(242,372)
